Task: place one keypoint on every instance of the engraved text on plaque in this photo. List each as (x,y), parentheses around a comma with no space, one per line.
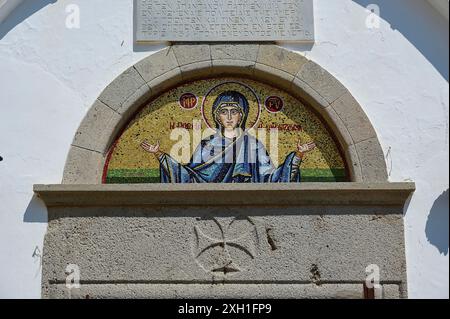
(224,20)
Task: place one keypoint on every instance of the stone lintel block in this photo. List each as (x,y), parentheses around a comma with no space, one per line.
(232,67)
(144,244)
(191,53)
(308,94)
(354,118)
(323,194)
(196,70)
(165,81)
(391,291)
(281,58)
(246,52)
(378,292)
(124,86)
(157,64)
(371,157)
(83,167)
(321,81)
(207,291)
(269,74)
(97,128)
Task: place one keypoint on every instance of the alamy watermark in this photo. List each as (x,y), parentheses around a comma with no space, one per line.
(195,145)
(373,277)
(73,276)
(73,16)
(373,20)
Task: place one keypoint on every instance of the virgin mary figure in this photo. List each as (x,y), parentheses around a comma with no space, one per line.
(231,155)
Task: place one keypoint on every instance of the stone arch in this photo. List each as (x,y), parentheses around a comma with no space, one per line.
(271,64)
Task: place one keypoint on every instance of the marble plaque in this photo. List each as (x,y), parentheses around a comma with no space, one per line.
(224,20)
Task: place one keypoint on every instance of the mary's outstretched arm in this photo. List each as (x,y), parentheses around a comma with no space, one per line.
(289,171)
(171,171)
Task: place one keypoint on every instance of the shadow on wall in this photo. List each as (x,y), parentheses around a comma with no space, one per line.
(421,24)
(437,224)
(21,13)
(36,211)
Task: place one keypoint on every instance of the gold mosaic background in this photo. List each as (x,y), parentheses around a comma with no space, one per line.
(128,163)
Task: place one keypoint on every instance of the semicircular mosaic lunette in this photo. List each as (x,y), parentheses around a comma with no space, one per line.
(225,130)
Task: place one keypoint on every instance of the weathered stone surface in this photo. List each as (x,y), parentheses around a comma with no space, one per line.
(354,118)
(196,70)
(133,102)
(230,67)
(308,94)
(336,126)
(354,166)
(278,77)
(266,245)
(97,128)
(281,59)
(124,86)
(209,291)
(157,64)
(165,81)
(83,167)
(391,292)
(378,292)
(321,81)
(247,52)
(191,53)
(294,194)
(373,164)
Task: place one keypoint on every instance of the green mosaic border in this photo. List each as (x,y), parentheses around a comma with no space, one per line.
(144,176)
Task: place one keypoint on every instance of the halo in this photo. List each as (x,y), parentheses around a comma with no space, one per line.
(251,96)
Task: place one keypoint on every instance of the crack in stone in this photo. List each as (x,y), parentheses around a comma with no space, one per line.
(315,274)
(270,239)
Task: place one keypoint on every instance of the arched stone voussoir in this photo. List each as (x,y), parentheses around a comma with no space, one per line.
(191,53)
(321,81)
(83,167)
(165,81)
(196,70)
(242,52)
(372,159)
(235,67)
(337,126)
(280,58)
(354,118)
(267,63)
(157,64)
(347,120)
(122,88)
(98,128)
(274,76)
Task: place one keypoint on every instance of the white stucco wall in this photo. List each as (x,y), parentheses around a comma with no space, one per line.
(50,75)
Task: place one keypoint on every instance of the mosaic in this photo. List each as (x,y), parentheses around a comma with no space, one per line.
(225,130)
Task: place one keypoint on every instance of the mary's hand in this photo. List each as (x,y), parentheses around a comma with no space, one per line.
(153,149)
(305,148)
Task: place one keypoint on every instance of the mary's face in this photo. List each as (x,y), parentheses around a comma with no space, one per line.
(230,116)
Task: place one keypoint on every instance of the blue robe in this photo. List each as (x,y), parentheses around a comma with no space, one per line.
(222,160)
